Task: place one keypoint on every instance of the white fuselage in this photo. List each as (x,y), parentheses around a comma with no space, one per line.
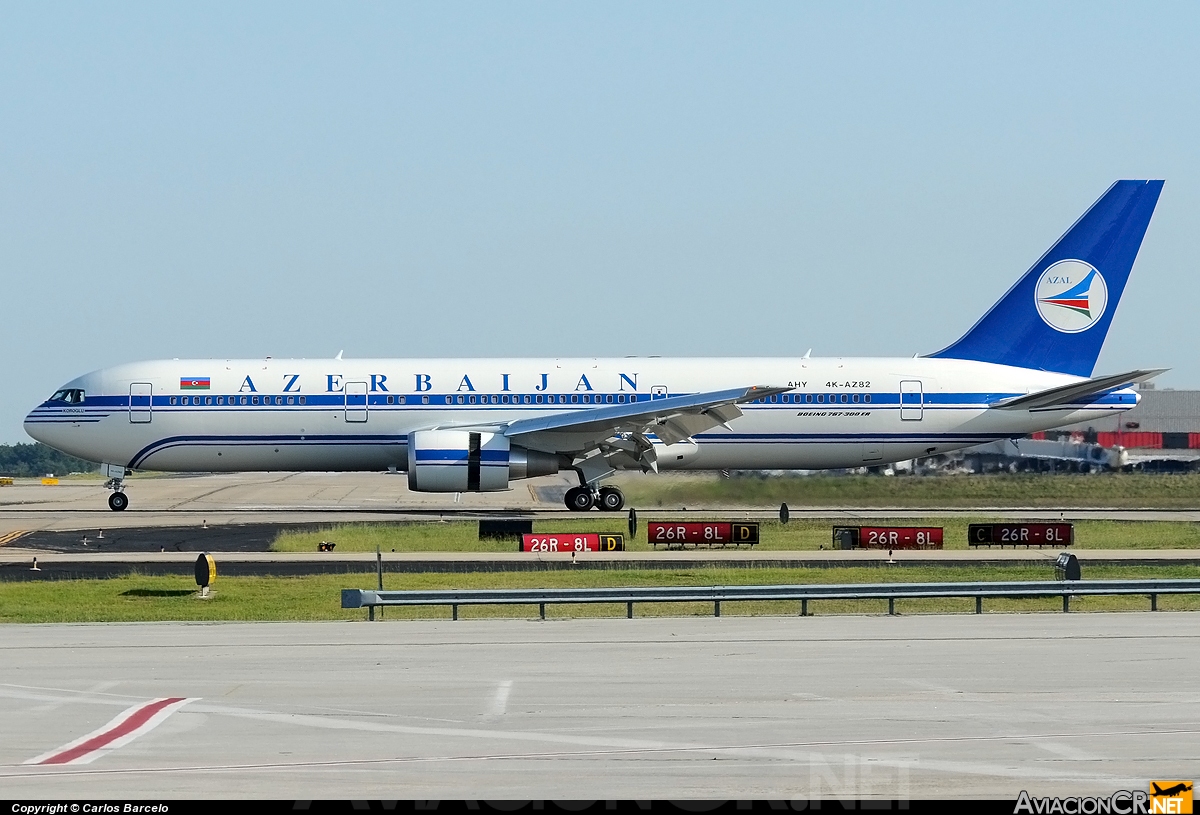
(277,414)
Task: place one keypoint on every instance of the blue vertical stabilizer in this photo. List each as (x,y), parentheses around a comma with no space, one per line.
(1056,317)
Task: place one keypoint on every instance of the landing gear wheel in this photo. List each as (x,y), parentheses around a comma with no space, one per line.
(579,499)
(117,501)
(611,499)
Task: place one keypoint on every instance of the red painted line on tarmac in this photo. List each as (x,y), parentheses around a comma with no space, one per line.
(130,724)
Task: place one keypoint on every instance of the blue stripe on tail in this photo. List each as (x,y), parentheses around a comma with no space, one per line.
(1056,317)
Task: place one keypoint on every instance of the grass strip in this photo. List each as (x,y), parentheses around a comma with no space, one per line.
(140,598)
(801,534)
(1130,490)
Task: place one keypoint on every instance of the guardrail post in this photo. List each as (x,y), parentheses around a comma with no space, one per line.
(629,605)
(454,611)
(804,607)
(1154,602)
(892,606)
(716,608)
(371,613)
(1066,602)
(979,605)
(542,610)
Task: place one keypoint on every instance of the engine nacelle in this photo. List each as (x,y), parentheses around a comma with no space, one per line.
(464,461)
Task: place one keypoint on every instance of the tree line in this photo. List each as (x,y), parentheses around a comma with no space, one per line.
(36,459)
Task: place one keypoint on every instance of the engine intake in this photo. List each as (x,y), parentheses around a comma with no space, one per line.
(465,461)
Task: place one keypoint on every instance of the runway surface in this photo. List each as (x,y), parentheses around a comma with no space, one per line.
(959,706)
(304,498)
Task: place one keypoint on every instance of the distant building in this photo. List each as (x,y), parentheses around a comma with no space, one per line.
(1163,420)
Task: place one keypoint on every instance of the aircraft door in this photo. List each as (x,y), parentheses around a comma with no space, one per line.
(141,394)
(912,400)
(356,401)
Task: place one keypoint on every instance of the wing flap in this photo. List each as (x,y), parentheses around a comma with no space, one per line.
(672,420)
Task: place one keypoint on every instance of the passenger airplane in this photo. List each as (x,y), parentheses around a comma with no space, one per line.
(476,425)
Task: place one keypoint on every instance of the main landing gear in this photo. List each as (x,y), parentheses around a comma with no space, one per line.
(581,499)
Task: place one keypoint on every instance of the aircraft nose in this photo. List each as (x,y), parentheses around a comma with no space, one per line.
(33,428)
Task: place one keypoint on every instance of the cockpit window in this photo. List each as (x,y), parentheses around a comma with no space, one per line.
(72,396)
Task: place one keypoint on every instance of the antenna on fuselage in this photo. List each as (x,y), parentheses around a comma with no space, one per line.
(807,354)
(339,356)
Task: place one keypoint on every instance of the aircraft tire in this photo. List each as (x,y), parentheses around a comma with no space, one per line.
(578,499)
(118,501)
(611,499)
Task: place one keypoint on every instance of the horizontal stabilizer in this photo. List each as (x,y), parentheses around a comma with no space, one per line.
(1071,395)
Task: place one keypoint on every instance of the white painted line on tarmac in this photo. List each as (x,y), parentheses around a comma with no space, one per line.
(128,725)
(99,687)
(500,700)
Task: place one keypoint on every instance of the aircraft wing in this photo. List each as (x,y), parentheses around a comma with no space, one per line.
(622,430)
(1068,396)
(672,419)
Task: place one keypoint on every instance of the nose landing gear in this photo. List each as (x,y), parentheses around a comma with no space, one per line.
(116,482)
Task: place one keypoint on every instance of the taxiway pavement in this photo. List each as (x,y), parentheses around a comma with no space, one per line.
(927,706)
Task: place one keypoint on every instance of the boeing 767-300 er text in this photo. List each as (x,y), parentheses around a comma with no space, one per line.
(476,425)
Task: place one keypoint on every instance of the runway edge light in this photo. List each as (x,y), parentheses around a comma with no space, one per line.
(206,573)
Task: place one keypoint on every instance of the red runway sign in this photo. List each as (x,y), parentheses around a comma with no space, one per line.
(679,533)
(572,542)
(1021,534)
(892,537)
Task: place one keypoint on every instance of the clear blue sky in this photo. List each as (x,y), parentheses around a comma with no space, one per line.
(443,179)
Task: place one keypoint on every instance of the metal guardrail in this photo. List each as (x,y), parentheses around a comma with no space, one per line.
(370,599)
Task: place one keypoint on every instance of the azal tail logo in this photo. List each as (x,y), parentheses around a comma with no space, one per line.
(1075,297)
(1071,296)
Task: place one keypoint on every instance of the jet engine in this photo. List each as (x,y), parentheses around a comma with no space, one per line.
(465,461)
